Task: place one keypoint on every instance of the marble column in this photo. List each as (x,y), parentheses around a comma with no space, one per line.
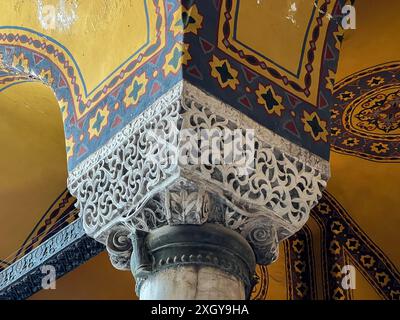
(194,262)
(192,283)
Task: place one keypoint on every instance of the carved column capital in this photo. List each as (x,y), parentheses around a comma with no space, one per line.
(146,178)
(119,247)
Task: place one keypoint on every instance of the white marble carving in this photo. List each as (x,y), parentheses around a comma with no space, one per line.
(138,181)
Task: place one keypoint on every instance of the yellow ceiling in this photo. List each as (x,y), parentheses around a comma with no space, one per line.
(375,39)
(367,190)
(96,279)
(33,162)
(114,30)
(34,171)
(293,19)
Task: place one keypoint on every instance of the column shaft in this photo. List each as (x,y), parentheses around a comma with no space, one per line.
(195,262)
(192,283)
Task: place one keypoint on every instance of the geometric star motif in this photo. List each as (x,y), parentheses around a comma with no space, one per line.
(351,142)
(314,125)
(352,244)
(337,227)
(134,91)
(178,56)
(334,247)
(345,96)
(187,20)
(379,147)
(336,271)
(382,278)
(375,81)
(224,73)
(330,80)
(69,146)
(271,101)
(367,261)
(299,266)
(324,208)
(98,122)
(298,245)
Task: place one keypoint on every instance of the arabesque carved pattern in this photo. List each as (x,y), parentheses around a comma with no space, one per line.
(266,199)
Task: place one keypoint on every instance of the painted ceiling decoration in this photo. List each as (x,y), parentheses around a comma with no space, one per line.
(289,97)
(286,86)
(366,114)
(105,118)
(316,274)
(90,115)
(286,93)
(343,243)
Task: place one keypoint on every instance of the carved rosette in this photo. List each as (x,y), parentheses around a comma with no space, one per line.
(144,178)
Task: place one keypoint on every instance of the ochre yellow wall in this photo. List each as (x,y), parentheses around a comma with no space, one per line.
(375,40)
(99,42)
(367,190)
(96,279)
(33,161)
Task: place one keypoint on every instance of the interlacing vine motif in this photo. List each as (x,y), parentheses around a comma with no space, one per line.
(135,166)
(138,181)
